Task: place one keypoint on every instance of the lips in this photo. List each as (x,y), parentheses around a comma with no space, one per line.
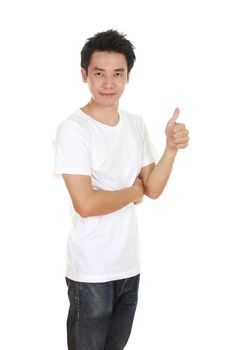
(107,94)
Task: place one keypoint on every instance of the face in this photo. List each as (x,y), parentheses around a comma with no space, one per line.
(107,77)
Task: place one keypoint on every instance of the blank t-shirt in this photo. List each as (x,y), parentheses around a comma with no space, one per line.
(105,247)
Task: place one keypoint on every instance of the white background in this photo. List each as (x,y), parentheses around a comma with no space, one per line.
(185,58)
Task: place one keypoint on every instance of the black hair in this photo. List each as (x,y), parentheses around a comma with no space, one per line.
(111,41)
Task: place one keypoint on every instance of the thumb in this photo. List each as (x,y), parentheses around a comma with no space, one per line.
(174,117)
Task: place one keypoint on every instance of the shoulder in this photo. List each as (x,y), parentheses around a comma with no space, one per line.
(71,133)
(73,124)
(136,121)
(133,118)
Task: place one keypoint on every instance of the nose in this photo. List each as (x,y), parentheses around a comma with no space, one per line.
(108,82)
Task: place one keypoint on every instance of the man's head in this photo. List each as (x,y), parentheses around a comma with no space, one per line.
(110,41)
(106,61)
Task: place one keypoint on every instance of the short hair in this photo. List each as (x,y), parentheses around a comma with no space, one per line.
(110,41)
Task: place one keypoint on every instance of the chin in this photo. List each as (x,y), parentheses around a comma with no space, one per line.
(106,103)
(115,104)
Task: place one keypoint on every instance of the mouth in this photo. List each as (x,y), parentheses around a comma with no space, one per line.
(107,94)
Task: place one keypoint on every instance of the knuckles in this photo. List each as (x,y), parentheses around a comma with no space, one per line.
(179,127)
(181,139)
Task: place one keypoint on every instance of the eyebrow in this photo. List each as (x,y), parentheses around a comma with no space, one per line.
(116,70)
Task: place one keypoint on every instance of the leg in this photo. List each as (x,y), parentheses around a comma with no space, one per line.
(89,314)
(123,313)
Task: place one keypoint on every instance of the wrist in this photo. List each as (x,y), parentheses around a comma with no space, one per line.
(136,192)
(170,152)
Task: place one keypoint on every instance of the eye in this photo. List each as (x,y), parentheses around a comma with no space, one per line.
(98,74)
(117,74)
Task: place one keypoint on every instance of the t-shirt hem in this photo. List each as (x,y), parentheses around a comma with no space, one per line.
(58,174)
(103,278)
(149,161)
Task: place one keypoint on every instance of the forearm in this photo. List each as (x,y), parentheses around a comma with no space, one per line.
(104,202)
(160,174)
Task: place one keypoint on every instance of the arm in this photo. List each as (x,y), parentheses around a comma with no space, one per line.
(155,176)
(159,174)
(89,202)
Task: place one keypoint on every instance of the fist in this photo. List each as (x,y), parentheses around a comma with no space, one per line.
(176,133)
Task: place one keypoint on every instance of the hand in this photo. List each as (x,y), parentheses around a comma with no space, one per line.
(139,184)
(176,133)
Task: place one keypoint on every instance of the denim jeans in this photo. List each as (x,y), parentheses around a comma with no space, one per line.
(101,314)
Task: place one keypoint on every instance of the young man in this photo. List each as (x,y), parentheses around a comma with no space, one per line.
(107,162)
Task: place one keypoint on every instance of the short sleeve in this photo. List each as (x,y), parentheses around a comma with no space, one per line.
(71,149)
(150,153)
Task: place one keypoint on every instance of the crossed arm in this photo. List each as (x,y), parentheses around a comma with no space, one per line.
(89,202)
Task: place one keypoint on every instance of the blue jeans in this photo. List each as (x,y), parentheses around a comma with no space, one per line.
(101,314)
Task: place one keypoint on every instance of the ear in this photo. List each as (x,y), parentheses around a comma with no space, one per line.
(84,76)
(128,77)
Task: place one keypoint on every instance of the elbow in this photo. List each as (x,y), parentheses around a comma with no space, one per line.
(83,214)
(85,206)
(153,194)
(82,210)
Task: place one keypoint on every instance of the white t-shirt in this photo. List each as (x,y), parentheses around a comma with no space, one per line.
(106,247)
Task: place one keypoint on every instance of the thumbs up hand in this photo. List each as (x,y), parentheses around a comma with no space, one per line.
(176,133)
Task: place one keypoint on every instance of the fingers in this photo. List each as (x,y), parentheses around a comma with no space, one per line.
(181,137)
(172,121)
(138,202)
(177,134)
(181,140)
(175,115)
(182,145)
(178,127)
(181,132)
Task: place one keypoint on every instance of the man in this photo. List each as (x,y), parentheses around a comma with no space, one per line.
(107,162)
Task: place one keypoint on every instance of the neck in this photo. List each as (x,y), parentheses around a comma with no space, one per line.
(104,114)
